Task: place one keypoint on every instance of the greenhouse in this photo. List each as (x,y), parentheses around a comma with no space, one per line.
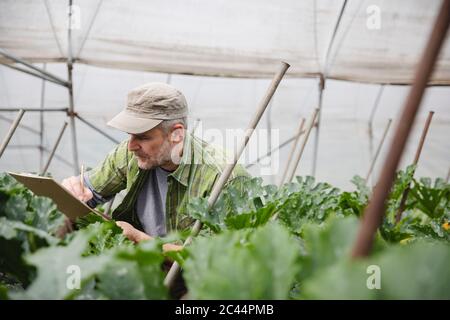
(224,150)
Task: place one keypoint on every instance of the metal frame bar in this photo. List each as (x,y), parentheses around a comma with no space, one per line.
(34,74)
(97,129)
(71,112)
(41,123)
(31,146)
(34,109)
(322,78)
(29,65)
(279,147)
(317,132)
(380,145)
(371,117)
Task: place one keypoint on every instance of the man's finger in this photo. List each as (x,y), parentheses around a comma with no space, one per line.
(87,195)
(76,185)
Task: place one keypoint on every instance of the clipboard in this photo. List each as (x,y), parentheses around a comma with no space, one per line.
(64,200)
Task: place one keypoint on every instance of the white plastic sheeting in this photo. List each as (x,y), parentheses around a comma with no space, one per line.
(221,104)
(230,37)
(235,39)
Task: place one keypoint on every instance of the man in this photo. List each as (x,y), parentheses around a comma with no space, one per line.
(161,166)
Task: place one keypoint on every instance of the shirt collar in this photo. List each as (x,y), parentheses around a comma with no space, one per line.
(181,174)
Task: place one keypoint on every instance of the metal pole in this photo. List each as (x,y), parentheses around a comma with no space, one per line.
(35,146)
(97,129)
(33,109)
(11,131)
(71,111)
(22,126)
(372,165)
(29,65)
(269,132)
(175,268)
(285,143)
(44,171)
(373,214)
(302,148)
(60,158)
(34,74)
(316,138)
(293,148)
(416,160)
(372,116)
(41,123)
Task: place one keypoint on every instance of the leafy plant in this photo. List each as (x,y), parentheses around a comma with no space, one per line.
(244,264)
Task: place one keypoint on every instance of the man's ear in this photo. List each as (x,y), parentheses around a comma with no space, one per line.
(178,133)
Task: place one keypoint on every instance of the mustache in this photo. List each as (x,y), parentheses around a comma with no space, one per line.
(139,155)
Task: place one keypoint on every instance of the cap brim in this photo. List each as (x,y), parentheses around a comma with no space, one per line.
(130,123)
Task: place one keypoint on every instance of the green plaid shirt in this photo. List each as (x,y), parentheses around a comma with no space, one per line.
(200,167)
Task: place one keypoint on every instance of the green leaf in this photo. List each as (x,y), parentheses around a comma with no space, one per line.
(56,265)
(419,271)
(325,244)
(242,265)
(134,273)
(105,235)
(17,239)
(251,219)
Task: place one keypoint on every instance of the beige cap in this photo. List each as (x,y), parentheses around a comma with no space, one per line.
(148,105)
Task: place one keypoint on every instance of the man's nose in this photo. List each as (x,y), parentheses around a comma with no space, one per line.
(132,144)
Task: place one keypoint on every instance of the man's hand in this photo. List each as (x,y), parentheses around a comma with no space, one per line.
(132,233)
(74,186)
(136,236)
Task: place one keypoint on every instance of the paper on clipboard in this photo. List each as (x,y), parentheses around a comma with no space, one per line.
(47,187)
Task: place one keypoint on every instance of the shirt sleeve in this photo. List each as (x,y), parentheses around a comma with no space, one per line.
(97,198)
(110,176)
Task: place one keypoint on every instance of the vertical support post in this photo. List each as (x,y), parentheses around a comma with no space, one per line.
(373,214)
(316,137)
(269,131)
(370,124)
(41,123)
(380,145)
(71,112)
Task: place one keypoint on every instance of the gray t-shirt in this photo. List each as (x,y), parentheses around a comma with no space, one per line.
(151,203)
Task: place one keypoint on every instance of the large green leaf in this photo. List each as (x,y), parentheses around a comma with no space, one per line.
(310,203)
(247,204)
(419,271)
(16,240)
(56,266)
(327,243)
(134,273)
(242,265)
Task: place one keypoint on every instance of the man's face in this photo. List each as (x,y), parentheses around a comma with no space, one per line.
(151,148)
